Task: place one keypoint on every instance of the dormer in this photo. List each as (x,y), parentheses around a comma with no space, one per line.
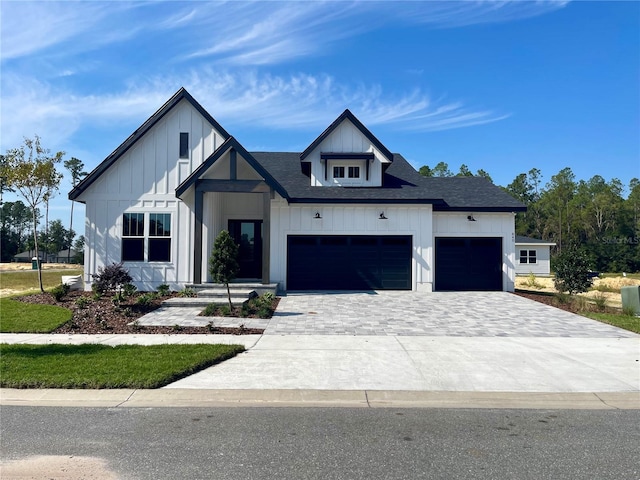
(346,154)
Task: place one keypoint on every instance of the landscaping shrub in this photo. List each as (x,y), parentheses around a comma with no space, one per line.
(572,272)
(82,302)
(129,289)
(163,290)
(111,278)
(60,291)
(187,292)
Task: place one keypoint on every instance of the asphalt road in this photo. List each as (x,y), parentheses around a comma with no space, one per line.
(336,443)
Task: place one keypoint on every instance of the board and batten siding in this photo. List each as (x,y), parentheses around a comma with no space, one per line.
(447,224)
(143,180)
(542,267)
(348,139)
(413,220)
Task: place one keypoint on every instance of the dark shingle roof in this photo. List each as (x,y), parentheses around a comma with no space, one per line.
(523,239)
(401,184)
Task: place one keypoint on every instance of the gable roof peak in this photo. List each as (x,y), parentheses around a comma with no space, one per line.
(347,114)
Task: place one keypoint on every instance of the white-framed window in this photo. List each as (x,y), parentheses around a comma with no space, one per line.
(347,172)
(528,256)
(146,237)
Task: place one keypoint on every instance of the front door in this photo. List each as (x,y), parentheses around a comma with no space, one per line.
(248,236)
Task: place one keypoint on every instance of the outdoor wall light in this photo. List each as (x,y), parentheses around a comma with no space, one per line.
(317,216)
(382,217)
(470,218)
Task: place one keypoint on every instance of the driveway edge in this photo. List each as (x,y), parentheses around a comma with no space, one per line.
(319,398)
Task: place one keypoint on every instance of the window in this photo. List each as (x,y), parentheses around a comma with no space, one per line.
(528,256)
(133,237)
(354,172)
(158,237)
(338,172)
(184,145)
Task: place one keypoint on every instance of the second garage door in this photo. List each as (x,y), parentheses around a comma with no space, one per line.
(348,262)
(468,263)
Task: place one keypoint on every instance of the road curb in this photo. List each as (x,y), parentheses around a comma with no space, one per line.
(319,398)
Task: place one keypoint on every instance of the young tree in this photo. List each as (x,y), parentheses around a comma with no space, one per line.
(31,170)
(572,271)
(76,169)
(223,264)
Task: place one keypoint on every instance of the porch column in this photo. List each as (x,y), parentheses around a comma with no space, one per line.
(197,237)
(266,235)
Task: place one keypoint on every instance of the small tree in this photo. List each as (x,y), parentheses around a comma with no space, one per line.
(111,278)
(76,169)
(31,170)
(572,271)
(223,263)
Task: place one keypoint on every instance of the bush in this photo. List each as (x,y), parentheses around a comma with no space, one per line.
(163,290)
(82,302)
(187,292)
(145,299)
(600,299)
(572,272)
(129,289)
(111,278)
(60,291)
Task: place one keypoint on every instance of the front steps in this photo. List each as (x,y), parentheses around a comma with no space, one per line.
(207,293)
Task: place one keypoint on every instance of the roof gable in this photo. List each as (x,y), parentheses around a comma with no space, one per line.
(180,95)
(358,124)
(230,143)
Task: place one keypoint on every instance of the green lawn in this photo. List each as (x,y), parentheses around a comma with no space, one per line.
(102,366)
(627,322)
(19,317)
(26,280)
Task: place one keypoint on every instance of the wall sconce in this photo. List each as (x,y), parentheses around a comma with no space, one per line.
(470,218)
(317,216)
(382,217)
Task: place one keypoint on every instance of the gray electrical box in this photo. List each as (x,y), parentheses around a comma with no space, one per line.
(631,298)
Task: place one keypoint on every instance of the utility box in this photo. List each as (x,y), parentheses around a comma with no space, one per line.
(631,299)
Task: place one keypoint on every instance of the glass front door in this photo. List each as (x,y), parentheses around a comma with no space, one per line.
(248,236)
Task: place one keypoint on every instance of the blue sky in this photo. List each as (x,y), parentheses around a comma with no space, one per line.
(500,86)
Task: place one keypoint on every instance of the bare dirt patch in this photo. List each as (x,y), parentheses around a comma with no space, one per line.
(59,467)
(17,267)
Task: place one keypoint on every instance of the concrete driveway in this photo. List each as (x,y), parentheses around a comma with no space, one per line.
(406,341)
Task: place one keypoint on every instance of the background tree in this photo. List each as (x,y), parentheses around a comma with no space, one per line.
(31,170)
(76,169)
(15,218)
(223,264)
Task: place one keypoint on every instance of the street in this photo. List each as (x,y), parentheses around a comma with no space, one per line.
(337,443)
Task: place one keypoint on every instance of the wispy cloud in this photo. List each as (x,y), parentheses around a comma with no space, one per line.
(247,33)
(296,102)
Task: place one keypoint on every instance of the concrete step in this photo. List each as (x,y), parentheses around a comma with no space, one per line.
(222,292)
(260,288)
(201,302)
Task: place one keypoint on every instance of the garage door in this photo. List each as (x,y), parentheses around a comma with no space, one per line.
(468,263)
(355,262)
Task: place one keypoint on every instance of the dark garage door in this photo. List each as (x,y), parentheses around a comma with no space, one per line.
(468,263)
(356,262)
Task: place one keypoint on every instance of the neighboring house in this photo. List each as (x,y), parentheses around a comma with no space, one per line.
(26,257)
(64,256)
(344,214)
(533,256)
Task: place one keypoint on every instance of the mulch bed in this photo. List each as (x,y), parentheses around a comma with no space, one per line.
(102,316)
(569,306)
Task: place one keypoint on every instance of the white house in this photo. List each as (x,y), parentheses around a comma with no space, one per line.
(533,256)
(344,214)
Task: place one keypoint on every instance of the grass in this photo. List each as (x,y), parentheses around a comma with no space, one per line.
(628,322)
(25,280)
(102,366)
(19,317)
(629,275)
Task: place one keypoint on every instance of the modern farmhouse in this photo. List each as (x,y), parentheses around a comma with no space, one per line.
(344,214)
